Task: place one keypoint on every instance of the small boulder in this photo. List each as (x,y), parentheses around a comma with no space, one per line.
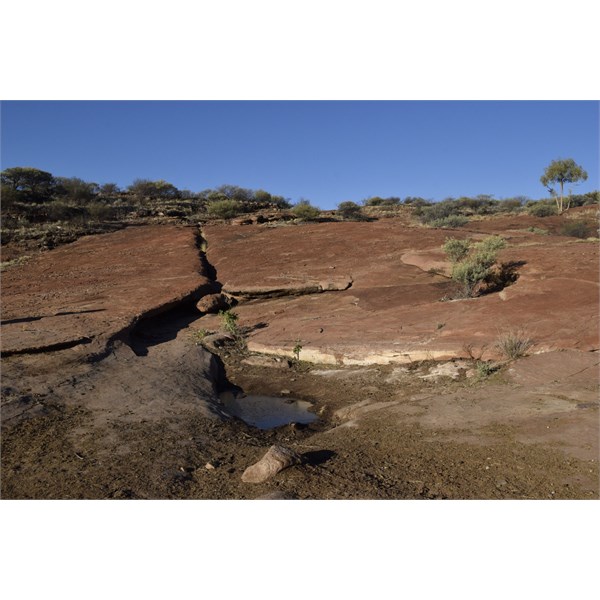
(276,459)
(215,341)
(213,303)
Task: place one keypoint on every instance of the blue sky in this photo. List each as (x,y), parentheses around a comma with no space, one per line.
(326,152)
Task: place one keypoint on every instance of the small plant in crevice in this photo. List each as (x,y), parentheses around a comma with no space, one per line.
(514,344)
(474,264)
(485,369)
(297,349)
(229,322)
(199,335)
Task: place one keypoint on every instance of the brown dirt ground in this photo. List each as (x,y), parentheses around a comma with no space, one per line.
(112,431)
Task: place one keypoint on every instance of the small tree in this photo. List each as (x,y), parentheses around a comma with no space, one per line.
(109,189)
(158,189)
(562,171)
(76,189)
(262,196)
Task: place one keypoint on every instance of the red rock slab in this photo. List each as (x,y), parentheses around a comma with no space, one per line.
(392,312)
(98,286)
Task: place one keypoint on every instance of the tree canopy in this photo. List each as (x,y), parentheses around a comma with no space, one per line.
(28,183)
(74,188)
(562,171)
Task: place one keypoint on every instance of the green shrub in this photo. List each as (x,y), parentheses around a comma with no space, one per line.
(493,243)
(477,267)
(541,209)
(578,228)
(297,349)
(455,249)
(382,202)
(451,222)
(224,209)
(416,201)
(280,202)
(229,321)
(510,205)
(586,199)
(469,273)
(305,211)
(63,211)
(198,335)
(485,369)
(434,212)
(99,211)
(349,211)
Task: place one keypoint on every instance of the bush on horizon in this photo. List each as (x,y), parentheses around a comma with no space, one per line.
(350,211)
(305,211)
(224,209)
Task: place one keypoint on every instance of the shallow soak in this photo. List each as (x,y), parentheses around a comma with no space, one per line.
(266,412)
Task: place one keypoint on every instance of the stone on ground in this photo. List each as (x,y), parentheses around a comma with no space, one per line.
(275,460)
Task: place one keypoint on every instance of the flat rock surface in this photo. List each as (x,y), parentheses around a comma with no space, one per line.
(393,312)
(97,286)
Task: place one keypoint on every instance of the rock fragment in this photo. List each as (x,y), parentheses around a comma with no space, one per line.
(275,460)
(213,303)
(215,341)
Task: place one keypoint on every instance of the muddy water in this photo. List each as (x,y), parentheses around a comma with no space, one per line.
(266,412)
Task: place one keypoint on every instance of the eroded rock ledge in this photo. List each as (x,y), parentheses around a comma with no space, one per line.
(288,289)
(99,287)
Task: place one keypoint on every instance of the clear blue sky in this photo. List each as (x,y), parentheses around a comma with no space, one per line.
(326,152)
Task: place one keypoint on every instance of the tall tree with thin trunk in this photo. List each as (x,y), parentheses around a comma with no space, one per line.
(562,171)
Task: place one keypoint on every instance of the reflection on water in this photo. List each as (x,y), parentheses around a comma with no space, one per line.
(266,412)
